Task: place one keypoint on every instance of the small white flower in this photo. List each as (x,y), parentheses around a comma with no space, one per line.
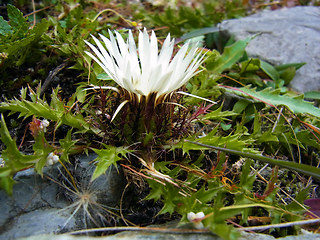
(2,162)
(195,219)
(44,124)
(143,70)
(52,159)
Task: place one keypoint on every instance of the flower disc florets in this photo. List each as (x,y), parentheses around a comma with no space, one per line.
(143,70)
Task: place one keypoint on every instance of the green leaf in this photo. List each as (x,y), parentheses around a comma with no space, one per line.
(5,28)
(254,64)
(269,70)
(302,168)
(288,74)
(6,183)
(13,158)
(230,56)
(212,138)
(17,21)
(170,199)
(289,65)
(297,205)
(225,127)
(103,76)
(226,232)
(273,98)
(218,114)
(40,108)
(156,190)
(199,32)
(107,157)
(67,145)
(246,181)
(76,121)
(312,95)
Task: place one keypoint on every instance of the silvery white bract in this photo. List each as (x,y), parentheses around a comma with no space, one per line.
(144,70)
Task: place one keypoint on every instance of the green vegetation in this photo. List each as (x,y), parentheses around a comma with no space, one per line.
(195,156)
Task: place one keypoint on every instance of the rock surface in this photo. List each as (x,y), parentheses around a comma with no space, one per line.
(168,236)
(288,35)
(40,205)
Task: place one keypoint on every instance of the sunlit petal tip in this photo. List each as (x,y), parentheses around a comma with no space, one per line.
(118,109)
(102,87)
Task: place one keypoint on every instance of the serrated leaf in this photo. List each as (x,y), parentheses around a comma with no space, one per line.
(18,46)
(17,21)
(155,190)
(226,232)
(273,98)
(230,56)
(218,114)
(40,28)
(230,141)
(56,103)
(302,168)
(77,121)
(297,205)
(13,158)
(66,145)
(247,179)
(107,157)
(40,108)
(312,95)
(171,197)
(5,28)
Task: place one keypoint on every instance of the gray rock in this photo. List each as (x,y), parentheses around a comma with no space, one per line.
(288,35)
(108,187)
(37,222)
(164,236)
(47,205)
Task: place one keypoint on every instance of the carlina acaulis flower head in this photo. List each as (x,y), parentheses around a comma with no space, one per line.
(144,71)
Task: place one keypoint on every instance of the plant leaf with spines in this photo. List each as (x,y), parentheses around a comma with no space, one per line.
(17,21)
(302,168)
(40,108)
(107,157)
(273,98)
(13,158)
(5,28)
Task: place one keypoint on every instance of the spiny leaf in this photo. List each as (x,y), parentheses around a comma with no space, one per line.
(5,28)
(231,141)
(40,108)
(302,168)
(17,21)
(273,98)
(218,114)
(312,95)
(107,157)
(13,158)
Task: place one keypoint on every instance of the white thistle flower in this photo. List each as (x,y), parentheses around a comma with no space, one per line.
(143,70)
